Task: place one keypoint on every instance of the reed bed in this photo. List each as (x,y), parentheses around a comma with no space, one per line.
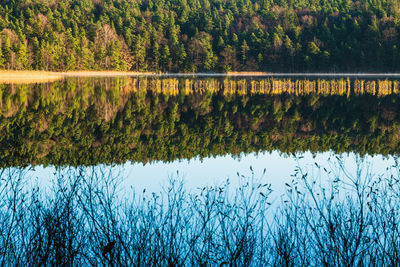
(28,77)
(326,217)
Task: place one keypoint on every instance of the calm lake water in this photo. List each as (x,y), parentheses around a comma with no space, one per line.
(208,128)
(148,131)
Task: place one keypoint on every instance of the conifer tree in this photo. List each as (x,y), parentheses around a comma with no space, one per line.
(22,61)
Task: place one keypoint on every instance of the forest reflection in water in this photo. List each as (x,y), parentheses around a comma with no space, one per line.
(82,127)
(89,121)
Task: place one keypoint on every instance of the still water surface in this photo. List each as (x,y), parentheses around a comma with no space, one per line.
(329,146)
(208,128)
(205,128)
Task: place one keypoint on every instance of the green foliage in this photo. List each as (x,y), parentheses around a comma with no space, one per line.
(85,121)
(326,35)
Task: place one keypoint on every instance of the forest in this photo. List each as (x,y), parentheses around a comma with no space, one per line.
(86,121)
(200,35)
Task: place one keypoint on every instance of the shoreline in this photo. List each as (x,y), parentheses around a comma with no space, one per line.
(25,77)
(222,74)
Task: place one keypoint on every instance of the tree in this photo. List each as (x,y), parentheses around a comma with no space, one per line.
(166,58)
(22,61)
(140,53)
(245,48)
(2,59)
(228,61)
(313,49)
(71,62)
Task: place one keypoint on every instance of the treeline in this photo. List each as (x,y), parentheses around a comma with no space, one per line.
(87,122)
(200,35)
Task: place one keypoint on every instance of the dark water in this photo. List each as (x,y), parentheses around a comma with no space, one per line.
(77,153)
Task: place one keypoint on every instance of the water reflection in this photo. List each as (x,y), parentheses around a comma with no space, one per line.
(333,215)
(82,121)
(324,213)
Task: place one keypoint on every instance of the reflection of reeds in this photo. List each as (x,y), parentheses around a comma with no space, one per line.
(270,86)
(113,92)
(229,86)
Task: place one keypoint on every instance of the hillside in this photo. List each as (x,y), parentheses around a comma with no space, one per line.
(200,35)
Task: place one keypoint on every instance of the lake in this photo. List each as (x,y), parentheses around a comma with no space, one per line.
(318,149)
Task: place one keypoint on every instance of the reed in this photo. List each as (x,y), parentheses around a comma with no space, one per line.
(28,77)
(326,217)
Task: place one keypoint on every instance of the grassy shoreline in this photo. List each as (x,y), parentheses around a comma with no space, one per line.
(34,76)
(25,77)
(22,77)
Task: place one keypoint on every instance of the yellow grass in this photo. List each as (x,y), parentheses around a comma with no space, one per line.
(25,77)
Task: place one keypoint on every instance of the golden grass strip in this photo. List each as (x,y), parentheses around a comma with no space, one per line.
(28,77)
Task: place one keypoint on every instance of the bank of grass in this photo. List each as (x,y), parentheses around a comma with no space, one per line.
(28,77)
(84,219)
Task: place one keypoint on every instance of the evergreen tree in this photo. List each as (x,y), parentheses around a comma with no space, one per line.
(2,59)
(22,62)
(165,58)
(245,49)
(71,62)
